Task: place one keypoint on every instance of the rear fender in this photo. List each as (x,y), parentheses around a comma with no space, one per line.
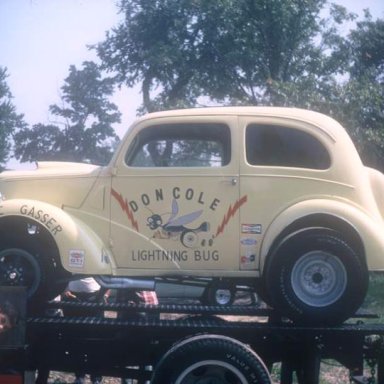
(376,180)
(80,249)
(369,228)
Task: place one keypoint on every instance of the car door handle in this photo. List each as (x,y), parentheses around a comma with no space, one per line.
(231,181)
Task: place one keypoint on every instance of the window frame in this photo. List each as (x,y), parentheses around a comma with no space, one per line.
(220,133)
(289,162)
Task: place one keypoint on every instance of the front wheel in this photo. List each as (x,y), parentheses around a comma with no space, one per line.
(314,276)
(210,359)
(19,267)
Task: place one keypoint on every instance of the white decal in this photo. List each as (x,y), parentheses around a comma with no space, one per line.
(248,253)
(248,241)
(251,228)
(76,258)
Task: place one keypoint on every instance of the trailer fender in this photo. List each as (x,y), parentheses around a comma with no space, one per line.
(370,229)
(81,250)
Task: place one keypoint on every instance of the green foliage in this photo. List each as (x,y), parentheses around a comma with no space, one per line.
(367,49)
(229,51)
(9,119)
(264,52)
(83,129)
(361,98)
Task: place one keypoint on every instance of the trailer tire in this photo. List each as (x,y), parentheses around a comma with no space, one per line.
(210,358)
(315,276)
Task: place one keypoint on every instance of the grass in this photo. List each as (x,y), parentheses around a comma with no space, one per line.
(331,371)
(374,301)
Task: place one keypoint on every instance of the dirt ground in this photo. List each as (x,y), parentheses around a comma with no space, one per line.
(68,378)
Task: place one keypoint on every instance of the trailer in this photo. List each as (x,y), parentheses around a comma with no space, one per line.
(167,343)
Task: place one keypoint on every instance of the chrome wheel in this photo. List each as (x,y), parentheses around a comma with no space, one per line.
(223,296)
(319,278)
(211,372)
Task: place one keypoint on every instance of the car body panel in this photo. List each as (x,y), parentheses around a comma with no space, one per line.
(131,219)
(79,246)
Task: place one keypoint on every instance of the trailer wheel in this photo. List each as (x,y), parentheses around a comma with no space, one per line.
(314,276)
(210,359)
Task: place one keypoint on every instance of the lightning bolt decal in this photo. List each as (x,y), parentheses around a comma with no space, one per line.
(125,207)
(231,212)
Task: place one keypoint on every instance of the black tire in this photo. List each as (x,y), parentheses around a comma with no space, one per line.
(315,277)
(213,359)
(27,268)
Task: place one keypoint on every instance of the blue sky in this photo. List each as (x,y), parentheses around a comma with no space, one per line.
(40,39)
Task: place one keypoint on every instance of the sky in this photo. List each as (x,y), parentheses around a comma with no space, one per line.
(40,39)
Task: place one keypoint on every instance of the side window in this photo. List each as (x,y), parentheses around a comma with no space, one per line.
(181,145)
(272,145)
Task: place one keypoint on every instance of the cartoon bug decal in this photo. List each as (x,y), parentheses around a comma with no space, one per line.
(175,227)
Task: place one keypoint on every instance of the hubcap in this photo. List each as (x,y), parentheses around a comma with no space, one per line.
(319,278)
(223,296)
(19,268)
(211,372)
(14,276)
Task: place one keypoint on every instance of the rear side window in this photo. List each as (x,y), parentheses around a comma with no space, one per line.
(181,145)
(273,145)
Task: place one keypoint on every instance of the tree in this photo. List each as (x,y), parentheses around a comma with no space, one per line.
(83,129)
(10,121)
(264,52)
(367,49)
(361,97)
(231,51)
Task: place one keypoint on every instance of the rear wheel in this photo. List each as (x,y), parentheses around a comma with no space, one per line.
(315,276)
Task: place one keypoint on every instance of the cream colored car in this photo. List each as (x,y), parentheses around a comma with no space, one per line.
(273,198)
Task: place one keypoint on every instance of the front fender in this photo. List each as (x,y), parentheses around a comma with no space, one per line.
(81,250)
(370,228)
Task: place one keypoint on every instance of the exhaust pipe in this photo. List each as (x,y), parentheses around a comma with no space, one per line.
(111,282)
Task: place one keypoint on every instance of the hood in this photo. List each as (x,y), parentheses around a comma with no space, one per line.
(51,168)
(58,183)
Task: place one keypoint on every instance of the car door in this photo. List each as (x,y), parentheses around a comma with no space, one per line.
(284,162)
(175,197)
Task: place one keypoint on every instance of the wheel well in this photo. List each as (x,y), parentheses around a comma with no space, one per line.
(349,233)
(30,236)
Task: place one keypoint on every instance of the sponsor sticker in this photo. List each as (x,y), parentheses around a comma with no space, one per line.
(248,253)
(248,259)
(255,229)
(76,258)
(248,241)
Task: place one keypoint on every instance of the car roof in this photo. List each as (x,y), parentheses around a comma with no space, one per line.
(324,122)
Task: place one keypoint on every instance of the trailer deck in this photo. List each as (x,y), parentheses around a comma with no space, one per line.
(133,340)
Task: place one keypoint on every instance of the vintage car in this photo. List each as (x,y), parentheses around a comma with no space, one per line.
(276,199)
